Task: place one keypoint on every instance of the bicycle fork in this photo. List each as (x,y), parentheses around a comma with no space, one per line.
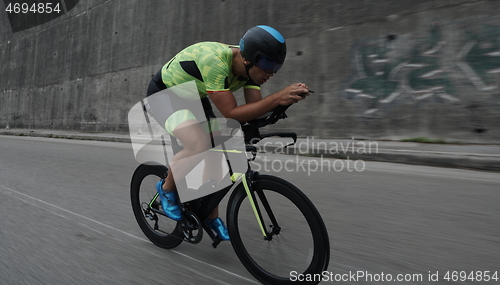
(251,188)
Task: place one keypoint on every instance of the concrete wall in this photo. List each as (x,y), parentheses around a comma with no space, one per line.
(380,68)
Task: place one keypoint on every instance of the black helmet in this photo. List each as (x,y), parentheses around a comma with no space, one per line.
(264,47)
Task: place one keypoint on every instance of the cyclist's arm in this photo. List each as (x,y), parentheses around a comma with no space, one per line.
(257,106)
(252,95)
(226,103)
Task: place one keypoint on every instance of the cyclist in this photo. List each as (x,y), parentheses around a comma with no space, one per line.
(219,70)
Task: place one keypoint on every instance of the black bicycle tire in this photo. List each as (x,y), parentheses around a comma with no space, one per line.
(172,240)
(320,260)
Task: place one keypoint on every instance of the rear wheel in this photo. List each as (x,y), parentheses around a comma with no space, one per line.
(159,229)
(299,243)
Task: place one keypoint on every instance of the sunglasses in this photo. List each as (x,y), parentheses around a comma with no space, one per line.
(269,66)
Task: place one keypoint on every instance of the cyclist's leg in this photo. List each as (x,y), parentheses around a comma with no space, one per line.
(194,151)
(213,158)
(183,125)
(213,166)
(213,170)
(196,142)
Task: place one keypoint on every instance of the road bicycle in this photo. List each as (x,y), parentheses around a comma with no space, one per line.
(274,227)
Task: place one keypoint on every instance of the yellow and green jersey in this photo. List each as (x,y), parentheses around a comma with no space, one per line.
(209,65)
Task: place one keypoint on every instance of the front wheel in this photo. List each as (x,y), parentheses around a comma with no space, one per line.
(299,246)
(159,229)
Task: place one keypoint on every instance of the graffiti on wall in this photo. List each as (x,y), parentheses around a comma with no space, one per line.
(427,66)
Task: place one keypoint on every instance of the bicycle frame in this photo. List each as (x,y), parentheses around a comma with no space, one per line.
(203,207)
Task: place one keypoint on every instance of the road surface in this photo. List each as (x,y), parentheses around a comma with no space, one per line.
(67,219)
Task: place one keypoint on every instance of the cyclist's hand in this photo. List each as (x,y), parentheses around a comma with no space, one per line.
(293,94)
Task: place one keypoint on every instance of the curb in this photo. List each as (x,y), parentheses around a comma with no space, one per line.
(427,158)
(55,135)
(450,160)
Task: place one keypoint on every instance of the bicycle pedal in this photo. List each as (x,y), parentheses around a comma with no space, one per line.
(216,242)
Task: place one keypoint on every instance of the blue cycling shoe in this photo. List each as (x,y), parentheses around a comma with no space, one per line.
(217,225)
(169,203)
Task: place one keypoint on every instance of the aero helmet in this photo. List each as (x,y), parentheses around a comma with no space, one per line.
(264,47)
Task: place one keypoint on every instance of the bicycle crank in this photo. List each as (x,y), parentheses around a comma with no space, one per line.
(191,227)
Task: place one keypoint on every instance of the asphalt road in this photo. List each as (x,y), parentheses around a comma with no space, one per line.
(66,219)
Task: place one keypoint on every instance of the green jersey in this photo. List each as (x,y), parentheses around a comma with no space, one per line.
(209,65)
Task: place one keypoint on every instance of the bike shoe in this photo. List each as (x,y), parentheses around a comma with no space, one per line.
(217,225)
(169,203)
